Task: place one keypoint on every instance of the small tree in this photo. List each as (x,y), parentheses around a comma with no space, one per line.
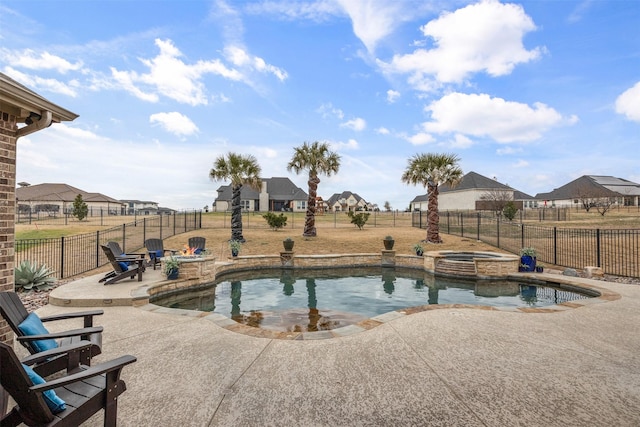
(80,208)
(387,206)
(510,211)
(276,222)
(359,219)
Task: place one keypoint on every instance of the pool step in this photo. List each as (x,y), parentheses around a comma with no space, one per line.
(460,268)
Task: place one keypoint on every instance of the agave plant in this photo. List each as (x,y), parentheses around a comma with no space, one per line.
(30,276)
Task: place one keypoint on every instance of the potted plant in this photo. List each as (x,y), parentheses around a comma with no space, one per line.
(171,267)
(419,249)
(539,268)
(527,259)
(288,244)
(235,246)
(388,242)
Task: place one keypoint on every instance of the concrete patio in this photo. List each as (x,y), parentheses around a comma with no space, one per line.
(444,367)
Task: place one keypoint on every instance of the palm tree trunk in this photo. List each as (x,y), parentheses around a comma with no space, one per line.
(310,218)
(236,214)
(433,218)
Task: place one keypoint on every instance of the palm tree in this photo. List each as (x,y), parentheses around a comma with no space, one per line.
(241,170)
(317,158)
(431,170)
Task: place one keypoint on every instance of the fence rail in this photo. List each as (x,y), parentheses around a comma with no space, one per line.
(616,251)
(72,255)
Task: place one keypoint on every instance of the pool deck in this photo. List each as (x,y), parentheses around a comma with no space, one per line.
(447,367)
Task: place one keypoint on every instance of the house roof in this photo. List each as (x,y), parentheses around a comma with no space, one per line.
(344,195)
(59,193)
(19,100)
(595,184)
(474,181)
(279,188)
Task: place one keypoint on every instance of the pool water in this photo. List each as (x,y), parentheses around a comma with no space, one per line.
(312,300)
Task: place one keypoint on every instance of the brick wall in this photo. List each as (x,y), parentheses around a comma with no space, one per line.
(8,130)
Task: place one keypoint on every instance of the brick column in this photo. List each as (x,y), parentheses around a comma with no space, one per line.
(8,129)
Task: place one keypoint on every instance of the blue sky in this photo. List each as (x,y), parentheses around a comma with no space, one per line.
(533,93)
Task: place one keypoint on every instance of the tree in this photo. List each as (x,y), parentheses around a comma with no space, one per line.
(240,170)
(497,199)
(387,206)
(510,210)
(276,222)
(317,159)
(80,208)
(432,170)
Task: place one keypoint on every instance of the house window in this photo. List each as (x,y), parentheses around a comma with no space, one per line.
(301,205)
(244,204)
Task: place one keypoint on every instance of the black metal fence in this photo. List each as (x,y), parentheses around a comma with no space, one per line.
(73,255)
(616,251)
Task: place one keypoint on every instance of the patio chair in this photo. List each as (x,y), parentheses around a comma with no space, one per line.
(34,336)
(198,243)
(156,250)
(121,267)
(119,253)
(68,400)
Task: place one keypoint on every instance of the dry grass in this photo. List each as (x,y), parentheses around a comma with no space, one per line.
(328,241)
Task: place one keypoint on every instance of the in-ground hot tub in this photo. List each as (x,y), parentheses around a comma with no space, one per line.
(476,263)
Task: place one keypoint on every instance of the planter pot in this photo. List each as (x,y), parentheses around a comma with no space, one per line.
(388,244)
(528,263)
(173,274)
(288,245)
(539,269)
(419,253)
(234,252)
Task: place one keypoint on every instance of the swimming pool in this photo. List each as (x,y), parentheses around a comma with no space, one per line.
(322,299)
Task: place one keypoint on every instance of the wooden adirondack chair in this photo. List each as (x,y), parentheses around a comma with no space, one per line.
(121,267)
(84,391)
(198,243)
(15,313)
(156,250)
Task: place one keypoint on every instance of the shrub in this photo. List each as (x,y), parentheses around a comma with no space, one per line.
(510,211)
(29,276)
(276,222)
(359,219)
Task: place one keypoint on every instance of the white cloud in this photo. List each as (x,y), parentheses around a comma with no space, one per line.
(174,122)
(521,164)
(38,83)
(328,110)
(317,11)
(357,124)
(351,144)
(420,138)
(628,103)
(382,131)
(240,58)
(482,37)
(461,141)
(32,60)
(171,77)
(392,96)
(482,116)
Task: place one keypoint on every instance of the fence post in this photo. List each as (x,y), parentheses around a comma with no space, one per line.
(101,218)
(174,224)
(124,243)
(461,224)
(448,222)
(97,248)
(144,229)
(62,257)
(522,236)
(478,234)
(555,245)
(498,232)
(598,247)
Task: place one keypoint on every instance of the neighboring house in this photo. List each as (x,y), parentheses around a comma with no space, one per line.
(473,192)
(347,202)
(141,207)
(625,193)
(58,199)
(22,112)
(276,194)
